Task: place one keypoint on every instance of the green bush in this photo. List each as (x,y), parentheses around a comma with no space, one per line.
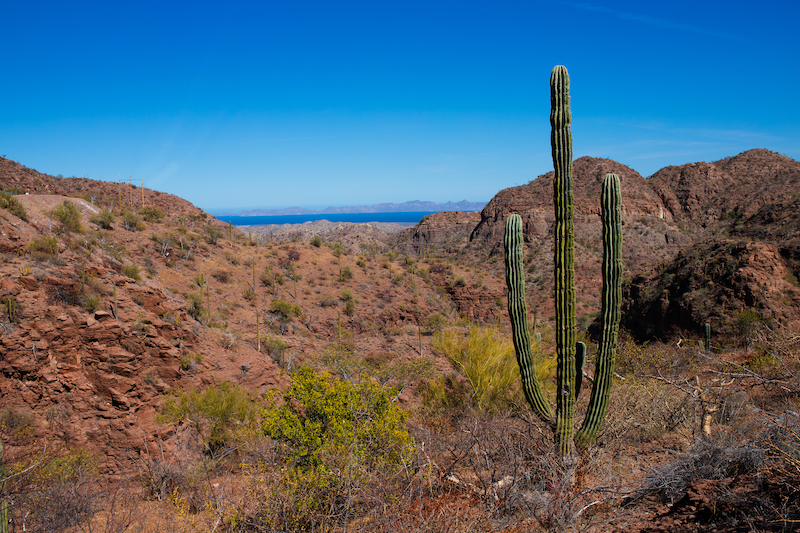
(285,309)
(9,202)
(132,221)
(104,218)
(220,414)
(45,245)
(68,215)
(349,308)
(435,322)
(132,271)
(316,241)
(345,273)
(486,358)
(152,214)
(195,305)
(326,424)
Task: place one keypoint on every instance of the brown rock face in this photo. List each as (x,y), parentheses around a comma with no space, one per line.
(440,232)
(534,201)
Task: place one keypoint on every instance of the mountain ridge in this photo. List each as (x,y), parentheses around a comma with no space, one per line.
(404,207)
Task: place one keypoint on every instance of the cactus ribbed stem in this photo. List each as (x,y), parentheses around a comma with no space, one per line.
(571,355)
(610,310)
(518,313)
(564,265)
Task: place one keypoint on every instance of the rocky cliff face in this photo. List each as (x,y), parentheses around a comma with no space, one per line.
(679,226)
(446,232)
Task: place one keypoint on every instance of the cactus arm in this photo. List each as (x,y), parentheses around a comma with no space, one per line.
(610,213)
(564,266)
(518,314)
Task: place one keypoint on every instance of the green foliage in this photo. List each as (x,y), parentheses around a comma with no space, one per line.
(11,307)
(16,424)
(131,270)
(275,348)
(104,218)
(220,413)
(324,421)
(316,241)
(285,309)
(68,215)
(152,214)
(9,202)
(349,308)
(90,302)
(486,358)
(345,273)
(212,234)
(435,322)
(195,307)
(132,221)
(745,324)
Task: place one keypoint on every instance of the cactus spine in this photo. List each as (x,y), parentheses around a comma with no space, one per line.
(571,355)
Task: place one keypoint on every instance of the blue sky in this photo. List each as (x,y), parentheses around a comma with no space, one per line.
(277,104)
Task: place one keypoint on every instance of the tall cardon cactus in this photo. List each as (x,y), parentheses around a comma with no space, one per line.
(570,354)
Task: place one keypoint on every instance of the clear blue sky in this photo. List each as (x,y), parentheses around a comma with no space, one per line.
(274,104)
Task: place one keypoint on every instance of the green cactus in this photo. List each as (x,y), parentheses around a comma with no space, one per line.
(610,310)
(571,355)
(708,338)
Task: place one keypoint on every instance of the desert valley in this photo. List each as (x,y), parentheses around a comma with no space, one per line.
(165,371)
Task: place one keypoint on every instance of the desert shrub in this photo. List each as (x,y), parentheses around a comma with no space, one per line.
(293,255)
(316,241)
(132,221)
(90,302)
(220,413)
(15,423)
(327,300)
(335,439)
(64,293)
(706,460)
(435,322)
(195,305)
(487,359)
(68,215)
(131,270)
(248,293)
(212,234)
(349,308)
(53,491)
(152,214)
(104,218)
(9,202)
(345,273)
(285,309)
(223,276)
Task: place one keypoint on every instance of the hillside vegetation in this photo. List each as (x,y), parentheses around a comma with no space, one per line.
(163,371)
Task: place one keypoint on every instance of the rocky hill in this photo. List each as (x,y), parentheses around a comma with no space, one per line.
(102,318)
(681,224)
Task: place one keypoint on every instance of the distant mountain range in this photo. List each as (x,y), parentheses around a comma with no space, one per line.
(405,207)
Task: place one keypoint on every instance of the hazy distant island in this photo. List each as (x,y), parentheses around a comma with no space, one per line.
(405,207)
